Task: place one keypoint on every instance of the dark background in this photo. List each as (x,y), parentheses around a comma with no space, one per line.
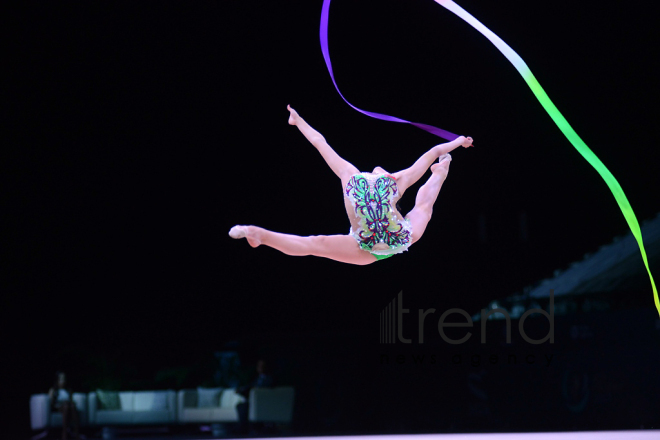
(140,132)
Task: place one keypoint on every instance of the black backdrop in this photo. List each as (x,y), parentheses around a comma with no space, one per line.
(140,132)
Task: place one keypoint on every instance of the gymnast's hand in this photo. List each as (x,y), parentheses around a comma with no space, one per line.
(465,141)
(293,117)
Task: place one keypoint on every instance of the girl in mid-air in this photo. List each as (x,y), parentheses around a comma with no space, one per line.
(378,230)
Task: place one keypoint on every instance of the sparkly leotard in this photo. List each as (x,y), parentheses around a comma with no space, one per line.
(372,197)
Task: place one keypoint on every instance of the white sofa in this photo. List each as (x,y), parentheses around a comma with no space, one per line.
(137,408)
(42,417)
(266,405)
(224,410)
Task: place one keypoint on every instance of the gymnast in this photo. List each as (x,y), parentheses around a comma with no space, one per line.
(378,230)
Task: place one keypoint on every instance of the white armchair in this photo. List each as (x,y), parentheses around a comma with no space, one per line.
(271,404)
(42,417)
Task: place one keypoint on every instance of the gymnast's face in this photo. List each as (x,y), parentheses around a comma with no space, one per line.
(379,170)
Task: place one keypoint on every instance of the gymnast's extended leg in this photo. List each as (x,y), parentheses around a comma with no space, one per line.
(341,167)
(341,248)
(420,215)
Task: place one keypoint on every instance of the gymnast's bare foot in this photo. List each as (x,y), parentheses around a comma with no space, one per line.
(249,232)
(442,167)
(293,115)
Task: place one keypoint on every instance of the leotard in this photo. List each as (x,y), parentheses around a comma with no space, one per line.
(381,231)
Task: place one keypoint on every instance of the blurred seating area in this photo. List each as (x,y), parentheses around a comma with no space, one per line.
(102,409)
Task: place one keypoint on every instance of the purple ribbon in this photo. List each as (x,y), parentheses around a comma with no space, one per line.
(325,12)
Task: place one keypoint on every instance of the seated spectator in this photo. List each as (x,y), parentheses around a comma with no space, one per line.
(61,400)
(263,380)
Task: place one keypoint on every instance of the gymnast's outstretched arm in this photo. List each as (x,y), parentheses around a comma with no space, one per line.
(408,177)
(341,167)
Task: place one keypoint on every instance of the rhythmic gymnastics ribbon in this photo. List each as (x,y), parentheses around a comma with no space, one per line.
(326,55)
(543,99)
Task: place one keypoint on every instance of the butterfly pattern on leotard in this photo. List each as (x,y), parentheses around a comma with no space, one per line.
(373,207)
